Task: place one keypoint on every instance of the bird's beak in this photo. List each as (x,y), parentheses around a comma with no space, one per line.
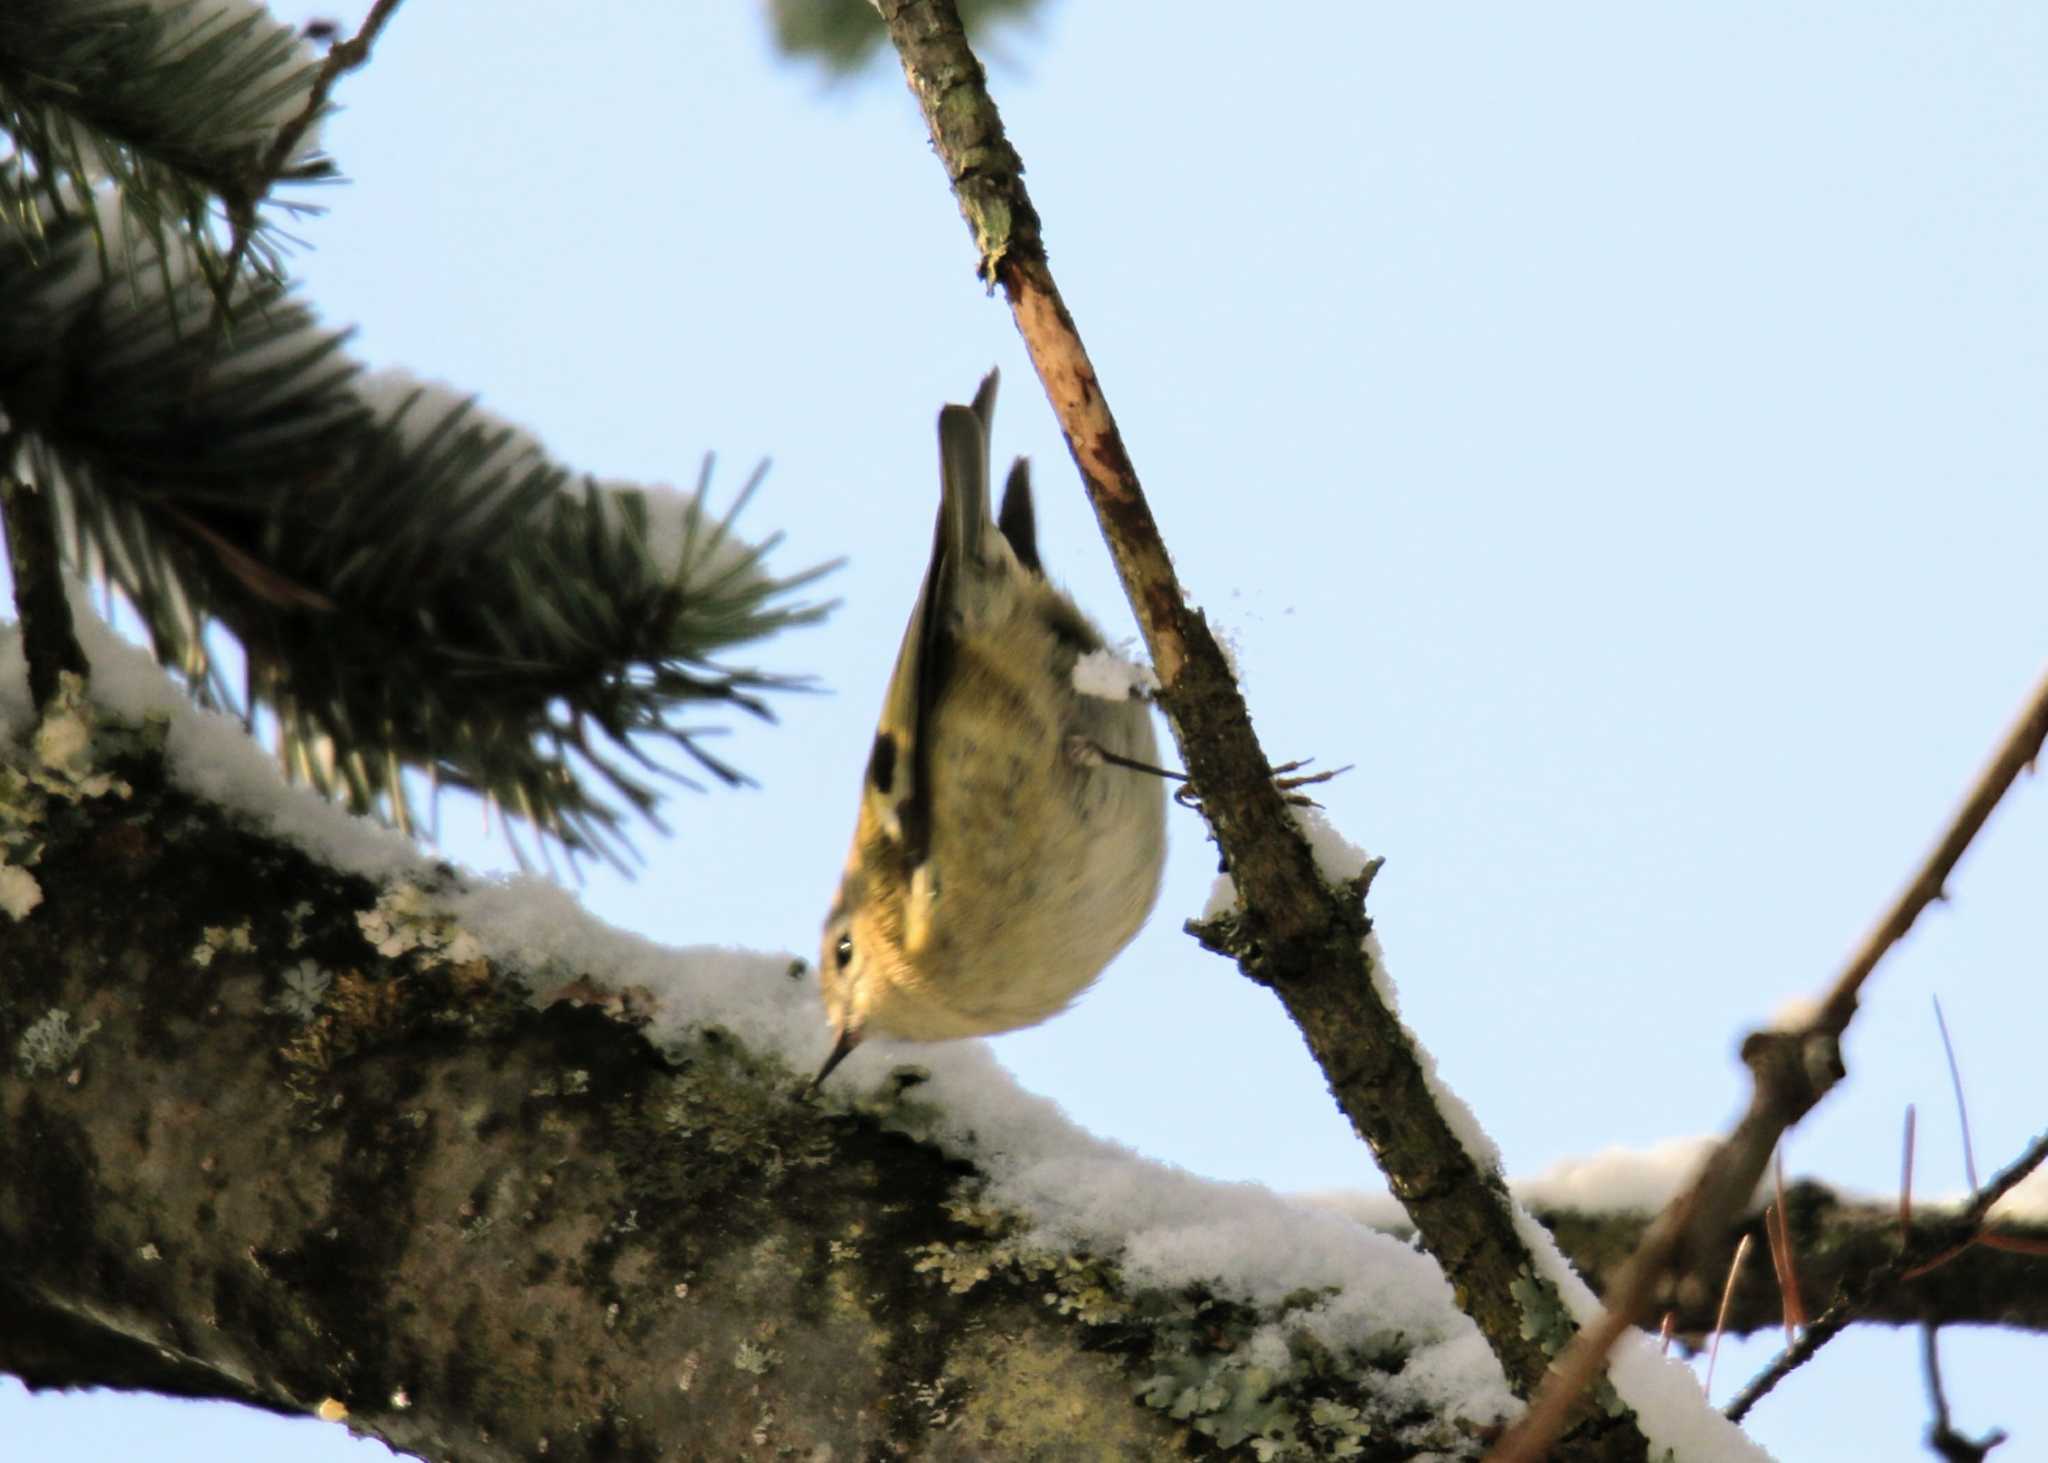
(849,1038)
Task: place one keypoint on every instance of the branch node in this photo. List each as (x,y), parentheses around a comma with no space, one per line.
(1360,884)
(1793,1069)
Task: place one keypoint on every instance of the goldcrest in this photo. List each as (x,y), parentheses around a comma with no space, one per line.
(1001,857)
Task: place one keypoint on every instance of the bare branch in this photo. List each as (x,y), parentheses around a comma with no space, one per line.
(1793,1070)
(2016,753)
(320,1171)
(1292,931)
(1930,1246)
(1946,1442)
(1838,1240)
(343,57)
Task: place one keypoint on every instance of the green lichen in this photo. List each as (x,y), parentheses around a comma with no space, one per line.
(305,987)
(295,923)
(715,1100)
(1263,1398)
(22,808)
(572,1083)
(959,1268)
(1074,1285)
(406,921)
(71,745)
(1252,1378)
(49,1043)
(755,1360)
(217,940)
(1085,1289)
(64,766)
(1340,1430)
(1545,1321)
(1226,1398)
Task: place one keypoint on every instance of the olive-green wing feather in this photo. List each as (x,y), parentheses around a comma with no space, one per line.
(898,763)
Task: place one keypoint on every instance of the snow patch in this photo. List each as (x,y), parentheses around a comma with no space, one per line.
(1107,676)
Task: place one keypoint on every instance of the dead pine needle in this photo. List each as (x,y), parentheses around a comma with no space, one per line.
(1784,1265)
(1906,1179)
(1955,1078)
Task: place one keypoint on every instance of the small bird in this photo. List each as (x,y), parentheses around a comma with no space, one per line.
(1005,848)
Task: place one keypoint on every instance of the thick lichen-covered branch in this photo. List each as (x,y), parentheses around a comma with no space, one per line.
(281,1136)
(276,1135)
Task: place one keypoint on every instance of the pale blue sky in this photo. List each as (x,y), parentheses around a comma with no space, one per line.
(1615,429)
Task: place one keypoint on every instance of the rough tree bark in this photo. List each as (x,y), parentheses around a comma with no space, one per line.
(393,1187)
(248,1156)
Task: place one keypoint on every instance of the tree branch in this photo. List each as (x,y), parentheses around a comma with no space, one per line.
(1942,1438)
(1843,1245)
(255,1156)
(50,642)
(1793,1070)
(271,1137)
(2022,745)
(245,196)
(1894,1282)
(1292,931)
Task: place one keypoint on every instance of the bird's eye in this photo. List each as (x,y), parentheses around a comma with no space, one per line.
(843,951)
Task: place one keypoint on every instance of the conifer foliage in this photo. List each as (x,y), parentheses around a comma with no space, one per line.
(413,586)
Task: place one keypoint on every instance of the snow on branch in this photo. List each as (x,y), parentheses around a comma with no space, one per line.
(442,1081)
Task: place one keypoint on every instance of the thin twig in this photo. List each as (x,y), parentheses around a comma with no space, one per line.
(2017,752)
(1828,1325)
(1946,1442)
(1908,1264)
(342,57)
(1792,1070)
(1978,1211)
(2006,1180)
